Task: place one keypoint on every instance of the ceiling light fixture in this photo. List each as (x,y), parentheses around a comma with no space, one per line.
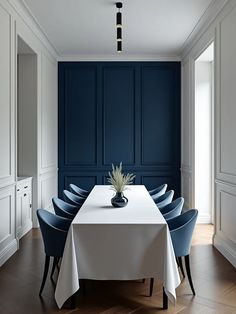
(119,5)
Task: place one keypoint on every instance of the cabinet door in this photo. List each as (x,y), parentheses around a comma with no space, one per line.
(23,213)
(18,214)
(26,209)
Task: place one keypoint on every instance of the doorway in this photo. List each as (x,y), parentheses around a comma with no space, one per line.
(27,99)
(204,135)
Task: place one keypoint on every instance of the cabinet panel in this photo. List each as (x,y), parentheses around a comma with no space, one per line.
(23,207)
(6,127)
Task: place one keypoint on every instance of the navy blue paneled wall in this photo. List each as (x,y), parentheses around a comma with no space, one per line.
(119,111)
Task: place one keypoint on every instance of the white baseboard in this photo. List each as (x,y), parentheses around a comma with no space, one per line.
(8,251)
(26,229)
(204,219)
(225,249)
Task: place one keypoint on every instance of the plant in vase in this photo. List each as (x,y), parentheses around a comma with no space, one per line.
(119,182)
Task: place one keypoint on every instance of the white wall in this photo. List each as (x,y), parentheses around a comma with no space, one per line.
(15,21)
(222,30)
(203,143)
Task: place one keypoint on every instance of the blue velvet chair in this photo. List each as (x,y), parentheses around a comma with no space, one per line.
(164,199)
(54,231)
(64,209)
(78,191)
(181,231)
(73,199)
(159,190)
(173,209)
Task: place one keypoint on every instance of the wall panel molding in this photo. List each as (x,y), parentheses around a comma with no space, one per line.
(77,122)
(8,242)
(7,126)
(115,88)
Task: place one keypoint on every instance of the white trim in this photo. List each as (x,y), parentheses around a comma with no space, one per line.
(225,249)
(24,12)
(204,219)
(119,57)
(8,251)
(205,21)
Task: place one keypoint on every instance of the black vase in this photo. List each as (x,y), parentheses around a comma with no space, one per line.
(119,200)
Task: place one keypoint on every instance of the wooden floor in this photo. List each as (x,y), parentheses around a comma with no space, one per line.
(213,276)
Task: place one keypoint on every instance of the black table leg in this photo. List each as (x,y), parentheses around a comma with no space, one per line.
(165,300)
(73,301)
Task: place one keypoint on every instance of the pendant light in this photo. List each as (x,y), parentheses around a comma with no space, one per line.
(119,5)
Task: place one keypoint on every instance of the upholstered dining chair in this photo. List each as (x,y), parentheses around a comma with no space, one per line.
(64,209)
(159,190)
(54,231)
(181,231)
(164,199)
(173,209)
(73,198)
(77,190)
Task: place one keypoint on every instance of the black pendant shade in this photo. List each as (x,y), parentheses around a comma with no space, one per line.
(118,19)
(119,27)
(119,46)
(119,34)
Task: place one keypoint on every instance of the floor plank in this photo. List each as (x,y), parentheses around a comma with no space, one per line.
(214,280)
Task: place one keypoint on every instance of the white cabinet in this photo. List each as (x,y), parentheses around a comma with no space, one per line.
(23,206)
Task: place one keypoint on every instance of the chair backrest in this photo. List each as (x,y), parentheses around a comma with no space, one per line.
(72,198)
(181,230)
(164,199)
(158,191)
(64,209)
(173,209)
(77,190)
(54,231)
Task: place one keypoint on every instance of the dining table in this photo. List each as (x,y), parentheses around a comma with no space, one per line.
(109,243)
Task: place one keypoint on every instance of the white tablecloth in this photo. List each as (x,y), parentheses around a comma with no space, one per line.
(107,243)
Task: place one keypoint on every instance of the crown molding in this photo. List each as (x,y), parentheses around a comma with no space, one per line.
(204,22)
(27,16)
(119,57)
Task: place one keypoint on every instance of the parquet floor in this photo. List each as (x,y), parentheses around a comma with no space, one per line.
(214,279)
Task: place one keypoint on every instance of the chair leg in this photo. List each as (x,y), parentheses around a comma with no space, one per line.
(187,264)
(151,286)
(55,262)
(45,273)
(165,300)
(82,285)
(143,280)
(181,266)
(73,301)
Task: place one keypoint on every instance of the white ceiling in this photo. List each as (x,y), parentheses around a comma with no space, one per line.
(87,27)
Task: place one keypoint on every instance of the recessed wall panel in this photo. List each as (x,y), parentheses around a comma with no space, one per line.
(83,181)
(118,115)
(5,101)
(228,96)
(158,116)
(228,214)
(80,115)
